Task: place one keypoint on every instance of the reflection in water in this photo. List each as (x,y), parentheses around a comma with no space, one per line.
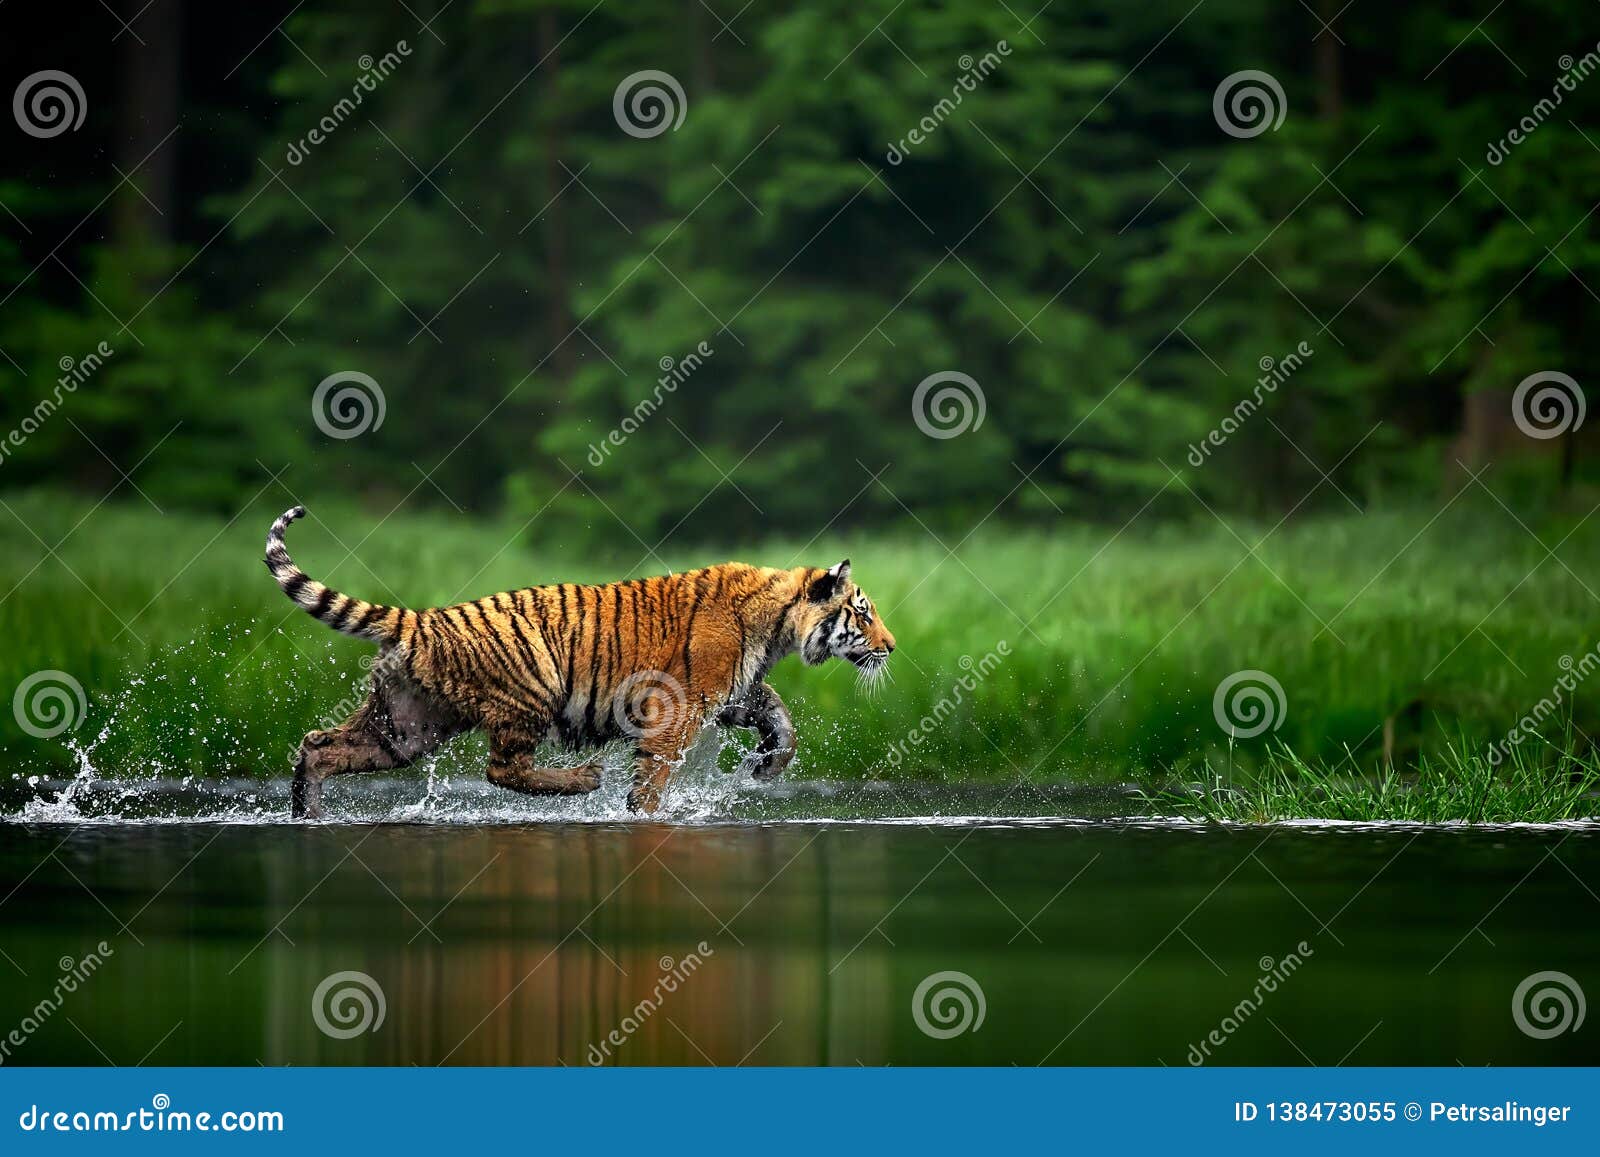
(567,946)
(554,943)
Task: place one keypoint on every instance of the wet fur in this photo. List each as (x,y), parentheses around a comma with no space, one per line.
(576,665)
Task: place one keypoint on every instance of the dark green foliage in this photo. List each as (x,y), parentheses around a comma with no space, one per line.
(1077,234)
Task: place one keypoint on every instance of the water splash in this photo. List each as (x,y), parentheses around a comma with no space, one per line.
(208,727)
(206,731)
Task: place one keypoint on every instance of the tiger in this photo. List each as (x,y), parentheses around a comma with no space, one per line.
(648,660)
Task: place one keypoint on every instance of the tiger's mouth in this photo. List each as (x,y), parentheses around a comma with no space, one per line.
(870,662)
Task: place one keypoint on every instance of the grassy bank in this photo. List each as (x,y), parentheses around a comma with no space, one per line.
(1455,785)
(1423,632)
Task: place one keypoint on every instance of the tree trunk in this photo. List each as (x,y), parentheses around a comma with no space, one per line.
(558,319)
(1330,81)
(145,207)
(702,57)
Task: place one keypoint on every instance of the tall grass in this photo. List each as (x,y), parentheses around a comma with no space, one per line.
(1446,628)
(1455,786)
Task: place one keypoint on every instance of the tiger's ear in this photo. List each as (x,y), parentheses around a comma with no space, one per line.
(831,583)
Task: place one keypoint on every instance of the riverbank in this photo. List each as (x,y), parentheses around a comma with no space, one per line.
(1160,655)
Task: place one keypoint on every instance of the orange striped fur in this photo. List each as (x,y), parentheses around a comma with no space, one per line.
(648,660)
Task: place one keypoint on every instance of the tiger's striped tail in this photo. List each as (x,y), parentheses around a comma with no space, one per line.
(351,616)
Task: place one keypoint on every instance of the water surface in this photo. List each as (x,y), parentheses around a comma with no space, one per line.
(797,926)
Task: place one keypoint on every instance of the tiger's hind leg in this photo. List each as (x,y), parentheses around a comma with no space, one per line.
(512,766)
(395,727)
(762,710)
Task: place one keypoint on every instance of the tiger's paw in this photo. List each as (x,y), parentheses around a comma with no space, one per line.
(585,779)
(645,800)
(766,765)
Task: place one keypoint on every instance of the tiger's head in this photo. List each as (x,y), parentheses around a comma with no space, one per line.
(836,620)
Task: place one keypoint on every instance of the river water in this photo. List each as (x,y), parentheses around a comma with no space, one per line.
(799,925)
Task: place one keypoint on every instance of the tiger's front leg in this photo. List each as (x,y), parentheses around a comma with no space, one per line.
(776,744)
(663,738)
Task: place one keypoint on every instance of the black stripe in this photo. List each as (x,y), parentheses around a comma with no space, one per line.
(323,600)
(594,666)
(634,616)
(766,585)
(447,649)
(544,638)
(533,663)
(294,584)
(669,601)
(790,605)
(572,650)
(343,616)
(738,670)
(497,645)
(616,634)
(688,639)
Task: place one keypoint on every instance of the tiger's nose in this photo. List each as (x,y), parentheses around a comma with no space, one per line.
(888,642)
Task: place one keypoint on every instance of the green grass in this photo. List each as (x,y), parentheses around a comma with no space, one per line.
(1448,627)
(1457,786)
